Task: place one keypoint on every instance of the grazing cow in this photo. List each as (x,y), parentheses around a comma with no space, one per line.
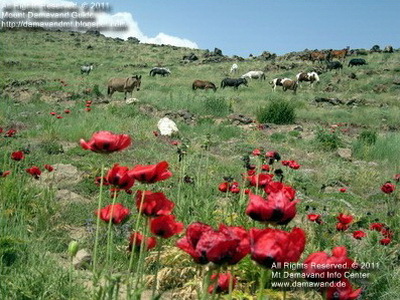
(310,77)
(357,62)
(288,84)
(319,56)
(388,49)
(161,71)
(125,85)
(203,85)
(234,69)
(277,82)
(254,75)
(339,54)
(235,82)
(332,65)
(86,69)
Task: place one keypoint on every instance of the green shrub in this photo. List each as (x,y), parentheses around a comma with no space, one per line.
(277,112)
(368,137)
(216,106)
(328,140)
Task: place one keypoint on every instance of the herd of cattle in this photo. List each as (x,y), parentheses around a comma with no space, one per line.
(129,84)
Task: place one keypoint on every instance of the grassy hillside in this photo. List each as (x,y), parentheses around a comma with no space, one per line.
(40,74)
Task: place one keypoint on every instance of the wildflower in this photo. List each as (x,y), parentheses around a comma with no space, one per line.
(106,142)
(153,204)
(34,171)
(165,226)
(151,173)
(270,246)
(117,213)
(17,155)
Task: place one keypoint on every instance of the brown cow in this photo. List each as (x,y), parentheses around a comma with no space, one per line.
(339,54)
(319,56)
(125,85)
(203,85)
(288,84)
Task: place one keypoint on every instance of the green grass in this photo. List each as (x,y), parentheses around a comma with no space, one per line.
(33,224)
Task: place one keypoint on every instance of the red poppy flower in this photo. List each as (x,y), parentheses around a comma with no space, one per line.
(89,102)
(220,282)
(247,191)
(377,226)
(118,176)
(322,267)
(276,187)
(189,243)
(34,171)
(285,162)
(385,241)
(256,152)
(265,168)
(10,133)
(88,105)
(315,218)
(5,173)
(136,240)
(106,142)
(273,247)
(88,109)
(358,234)
(272,156)
(388,188)
(294,165)
(49,168)
(276,209)
(232,187)
(153,204)
(53,113)
(151,173)
(342,190)
(67,111)
(59,117)
(387,233)
(175,143)
(165,226)
(17,155)
(342,290)
(117,213)
(260,180)
(227,245)
(345,219)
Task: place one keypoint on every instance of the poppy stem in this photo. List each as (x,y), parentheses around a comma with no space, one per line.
(157,267)
(134,243)
(206,283)
(263,281)
(140,265)
(110,234)
(96,241)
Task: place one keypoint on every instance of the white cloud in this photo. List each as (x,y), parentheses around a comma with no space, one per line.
(133,29)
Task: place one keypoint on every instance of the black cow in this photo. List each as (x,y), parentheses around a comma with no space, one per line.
(233,82)
(357,62)
(161,71)
(332,65)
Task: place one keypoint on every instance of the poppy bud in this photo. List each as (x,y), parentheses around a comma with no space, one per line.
(73,248)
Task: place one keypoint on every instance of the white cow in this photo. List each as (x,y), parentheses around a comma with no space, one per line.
(254,75)
(234,69)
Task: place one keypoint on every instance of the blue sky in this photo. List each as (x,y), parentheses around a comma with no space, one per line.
(251,26)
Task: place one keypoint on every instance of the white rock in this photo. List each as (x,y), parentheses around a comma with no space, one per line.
(82,259)
(131,100)
(167,127)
